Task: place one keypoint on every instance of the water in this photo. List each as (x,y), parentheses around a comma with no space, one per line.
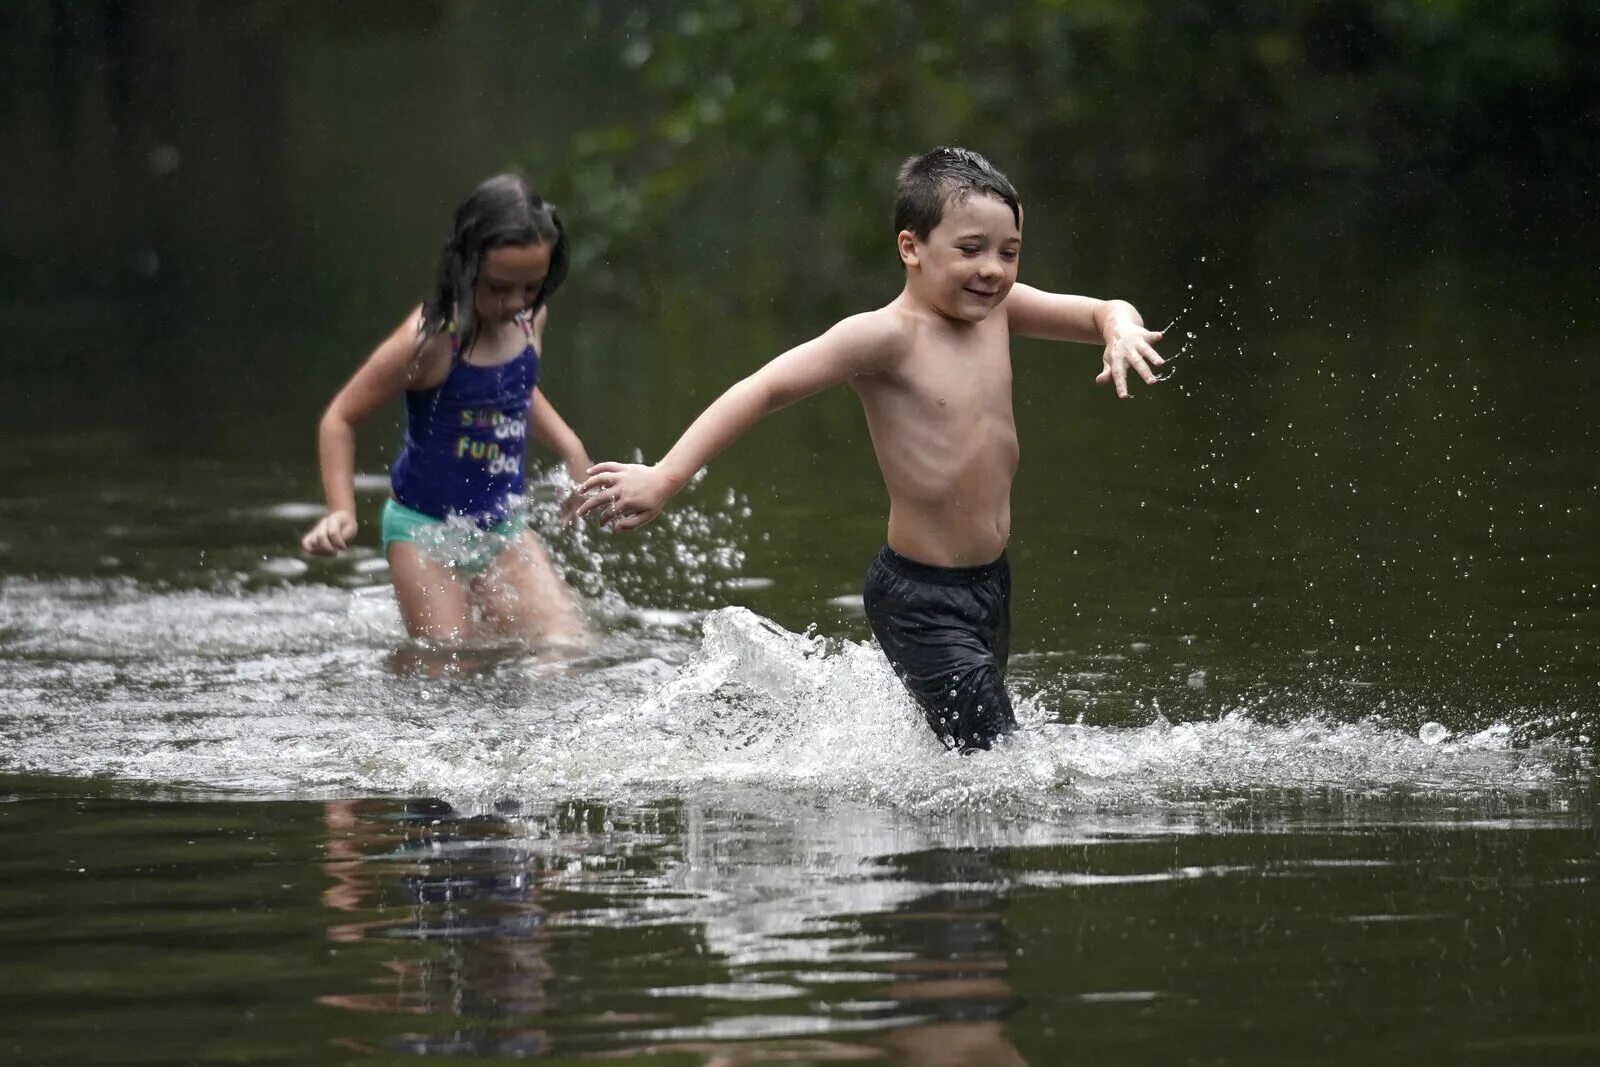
(742,924)
(298,691)
(711,839)
(1304,639)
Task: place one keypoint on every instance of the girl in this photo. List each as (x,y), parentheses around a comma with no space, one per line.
(467,361)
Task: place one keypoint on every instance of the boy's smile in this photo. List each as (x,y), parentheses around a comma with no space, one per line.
(969,262)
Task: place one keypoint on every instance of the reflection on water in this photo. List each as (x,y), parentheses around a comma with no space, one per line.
(652,873)
(954,970)
(766,927)
(481,896)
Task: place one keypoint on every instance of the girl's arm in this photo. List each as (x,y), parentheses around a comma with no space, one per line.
(552,431)
(546,425)
(388,372)
(1116,324)
(632,494)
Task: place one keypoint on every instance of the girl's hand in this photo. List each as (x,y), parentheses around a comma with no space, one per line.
(1130,349)
(577,471)
(625,495)
(331,535)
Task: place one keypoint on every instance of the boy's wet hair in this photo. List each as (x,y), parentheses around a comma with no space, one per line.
(504,210)
(934,180)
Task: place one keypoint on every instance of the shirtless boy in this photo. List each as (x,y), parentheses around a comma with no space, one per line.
(933,371)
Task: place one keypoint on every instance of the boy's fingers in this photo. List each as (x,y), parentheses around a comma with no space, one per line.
(633,521)
(608,467)
(600,497)
(600,482)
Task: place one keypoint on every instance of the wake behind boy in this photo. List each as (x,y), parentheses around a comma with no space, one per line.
(933,371)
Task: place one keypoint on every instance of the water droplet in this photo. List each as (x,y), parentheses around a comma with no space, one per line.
(284,567)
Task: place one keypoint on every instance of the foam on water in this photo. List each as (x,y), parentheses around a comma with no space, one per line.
(294,690)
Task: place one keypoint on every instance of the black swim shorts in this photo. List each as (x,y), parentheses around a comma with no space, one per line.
(947,633)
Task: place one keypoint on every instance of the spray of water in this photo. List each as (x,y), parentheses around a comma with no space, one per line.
(295,688)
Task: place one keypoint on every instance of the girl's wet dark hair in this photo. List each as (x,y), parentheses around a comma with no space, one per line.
(930,182)
(502,211)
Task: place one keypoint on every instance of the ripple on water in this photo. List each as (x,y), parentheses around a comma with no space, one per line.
(291,690)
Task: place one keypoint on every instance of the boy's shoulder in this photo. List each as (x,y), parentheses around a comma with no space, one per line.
(880,334)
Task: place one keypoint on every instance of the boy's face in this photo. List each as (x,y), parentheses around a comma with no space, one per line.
(969,262)
(509,280)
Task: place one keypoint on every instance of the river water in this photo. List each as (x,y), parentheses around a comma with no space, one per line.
(1304,637)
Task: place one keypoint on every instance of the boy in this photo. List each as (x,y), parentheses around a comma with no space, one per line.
(933,371)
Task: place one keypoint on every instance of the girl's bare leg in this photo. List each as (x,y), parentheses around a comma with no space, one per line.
(521,594)
(433,602)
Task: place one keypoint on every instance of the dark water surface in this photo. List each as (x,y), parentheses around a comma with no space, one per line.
(743,927)
(1307,649)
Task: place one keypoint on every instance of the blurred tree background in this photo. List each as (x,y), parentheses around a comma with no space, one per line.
(644,119)
(1378,108)
(234,191)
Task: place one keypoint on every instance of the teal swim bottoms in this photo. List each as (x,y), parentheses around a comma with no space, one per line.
(456,543)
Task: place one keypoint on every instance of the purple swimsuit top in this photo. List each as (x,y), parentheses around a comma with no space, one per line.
(465,438)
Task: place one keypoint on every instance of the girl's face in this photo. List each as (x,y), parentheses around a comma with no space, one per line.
(509,280)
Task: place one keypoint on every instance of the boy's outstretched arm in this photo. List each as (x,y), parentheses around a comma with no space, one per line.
(628,495)
(1114,323)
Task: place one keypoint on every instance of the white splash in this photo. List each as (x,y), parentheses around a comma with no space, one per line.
(293,691)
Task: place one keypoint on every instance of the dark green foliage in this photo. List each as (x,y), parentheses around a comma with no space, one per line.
(1393,100)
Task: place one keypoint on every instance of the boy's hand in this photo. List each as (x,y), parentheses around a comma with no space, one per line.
(331,535)
(1129,346)
(625,495)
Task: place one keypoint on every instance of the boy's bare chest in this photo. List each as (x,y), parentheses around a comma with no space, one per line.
(955,381)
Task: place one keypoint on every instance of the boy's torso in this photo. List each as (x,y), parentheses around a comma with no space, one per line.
(941,421)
